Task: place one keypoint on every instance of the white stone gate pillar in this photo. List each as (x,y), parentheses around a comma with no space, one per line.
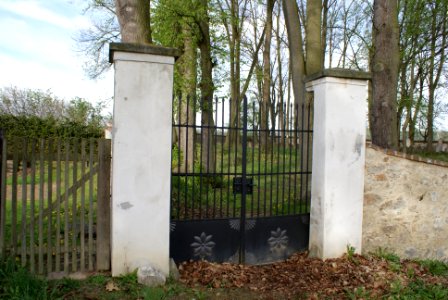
(340,119)
(141,156)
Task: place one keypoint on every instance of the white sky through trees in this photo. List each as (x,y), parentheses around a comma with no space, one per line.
(38,49)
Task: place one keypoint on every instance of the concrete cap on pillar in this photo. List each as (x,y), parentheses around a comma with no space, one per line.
(339,73)
(143,49)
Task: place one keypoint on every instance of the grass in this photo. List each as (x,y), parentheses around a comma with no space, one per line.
(276,189)
(435,267)
(35,227)
(17,283)
(442,156)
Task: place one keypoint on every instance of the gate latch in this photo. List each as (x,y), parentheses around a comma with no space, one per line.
(238,185)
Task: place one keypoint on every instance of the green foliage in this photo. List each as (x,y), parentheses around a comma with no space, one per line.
(384,253)
(358,293)
(417,290)
(24,126)
(350,252)
(442,156)
(435,267)
(17,283)
(392,258)
(33,113)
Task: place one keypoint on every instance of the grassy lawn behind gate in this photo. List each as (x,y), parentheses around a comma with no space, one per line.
(381,275)
(50,204)
(275,175)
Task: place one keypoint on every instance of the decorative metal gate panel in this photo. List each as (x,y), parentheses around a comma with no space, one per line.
(240,191)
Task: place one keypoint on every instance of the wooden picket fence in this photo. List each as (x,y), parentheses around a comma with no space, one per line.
(55,203)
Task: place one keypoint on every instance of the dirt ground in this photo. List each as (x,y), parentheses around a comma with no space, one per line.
(301,277)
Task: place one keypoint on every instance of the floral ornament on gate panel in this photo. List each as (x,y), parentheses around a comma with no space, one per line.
(203,245)
(235,224)
(278,241)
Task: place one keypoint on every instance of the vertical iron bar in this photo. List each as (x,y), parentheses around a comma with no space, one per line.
(187,133)
(277,195)
(200,160)
(222,155)
(263,149)
(272,176)
(193,177)
(215,171)
(179,143)
(283,134)
(229,134)
(308,158)
(301,159)
(237,131)
(290,166)
(257,138)
(209,143)
(253,167)
(244,184)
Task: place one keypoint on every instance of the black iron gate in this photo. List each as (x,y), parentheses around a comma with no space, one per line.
(240,192)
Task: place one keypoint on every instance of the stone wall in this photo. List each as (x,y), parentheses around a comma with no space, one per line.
(405,205)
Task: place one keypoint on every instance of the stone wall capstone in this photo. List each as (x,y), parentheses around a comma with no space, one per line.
(405,206)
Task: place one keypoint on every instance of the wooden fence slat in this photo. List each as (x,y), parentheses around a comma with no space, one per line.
(3,168)
(23,219)
(66,212)
(83,201)
(91,157)
(41,206)
(74,187)
(103,207)
(50,230)
(58,206)
(33,205)
(50,207)
(74,208)
(15,166)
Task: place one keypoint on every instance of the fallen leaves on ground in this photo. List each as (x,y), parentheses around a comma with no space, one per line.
(302,275)
(111,286)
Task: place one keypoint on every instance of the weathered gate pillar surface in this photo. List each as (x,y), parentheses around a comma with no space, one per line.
(141,166)
(340,111)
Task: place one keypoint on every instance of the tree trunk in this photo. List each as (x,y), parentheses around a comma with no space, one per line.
(436,61)
(385,64)
(134,19)
(187,68)
(266,78)
(281,100)
(296,56)
(206,87)
(313,36)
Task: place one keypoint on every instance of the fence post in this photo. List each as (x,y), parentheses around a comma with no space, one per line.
(337,191)
(103,207)
(2,193)
(141,166)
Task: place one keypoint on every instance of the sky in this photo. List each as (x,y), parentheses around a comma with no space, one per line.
(38,49)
